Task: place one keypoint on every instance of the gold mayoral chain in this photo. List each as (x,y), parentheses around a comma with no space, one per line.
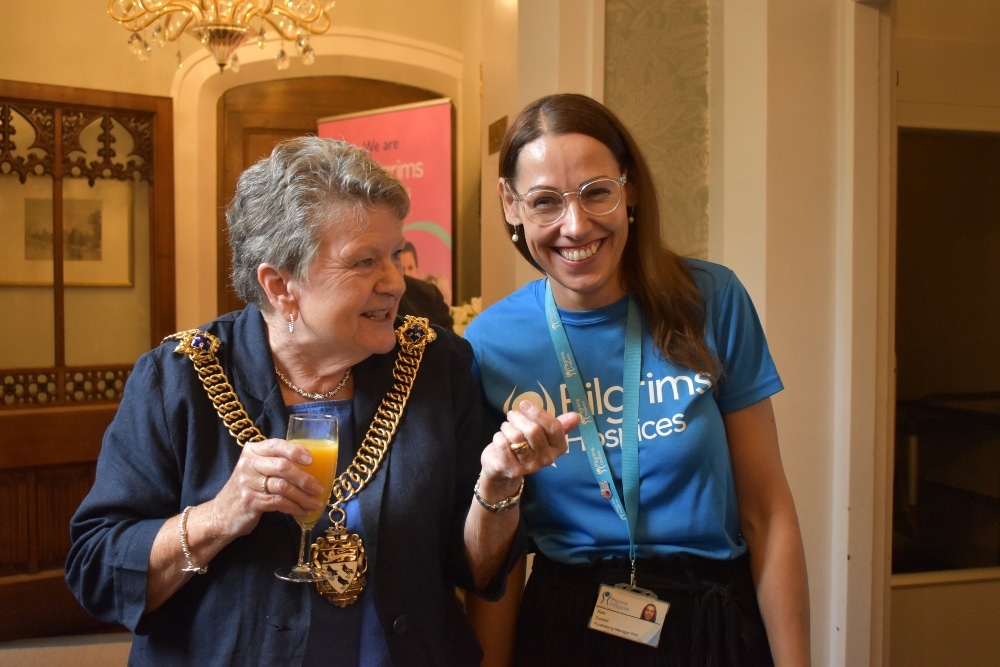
(338,551)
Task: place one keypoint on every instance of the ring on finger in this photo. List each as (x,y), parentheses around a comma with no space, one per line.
(263,486)
(518,447)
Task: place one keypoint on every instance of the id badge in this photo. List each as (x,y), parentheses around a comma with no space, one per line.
(631,613)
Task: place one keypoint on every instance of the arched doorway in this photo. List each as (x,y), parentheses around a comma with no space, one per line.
(252,118)
(198,90)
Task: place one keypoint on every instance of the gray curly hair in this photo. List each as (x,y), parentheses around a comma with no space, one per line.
(283,202)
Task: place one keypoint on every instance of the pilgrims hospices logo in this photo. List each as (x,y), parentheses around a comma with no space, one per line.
(540,398)
(663,403)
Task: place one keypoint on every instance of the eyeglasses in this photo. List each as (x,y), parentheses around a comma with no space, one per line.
(545,207)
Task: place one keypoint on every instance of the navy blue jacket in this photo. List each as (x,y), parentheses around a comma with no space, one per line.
(167,448)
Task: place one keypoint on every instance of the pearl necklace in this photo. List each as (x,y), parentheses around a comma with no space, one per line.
(316,397)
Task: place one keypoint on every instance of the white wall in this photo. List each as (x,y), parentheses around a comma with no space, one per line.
(500,104)
(797,204)
(530,49)
(73,43)
(949,64)
(70,43)
(805,195)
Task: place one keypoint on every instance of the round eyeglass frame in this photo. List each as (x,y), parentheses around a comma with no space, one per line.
(520,199)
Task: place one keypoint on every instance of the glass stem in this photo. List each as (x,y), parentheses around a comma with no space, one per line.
(302,548)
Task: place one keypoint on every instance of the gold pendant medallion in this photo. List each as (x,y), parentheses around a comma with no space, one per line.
(342,554)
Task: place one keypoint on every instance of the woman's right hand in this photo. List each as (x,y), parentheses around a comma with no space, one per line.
(266,479)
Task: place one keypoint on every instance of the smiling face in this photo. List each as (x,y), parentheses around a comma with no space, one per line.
(581,253)
(348,302)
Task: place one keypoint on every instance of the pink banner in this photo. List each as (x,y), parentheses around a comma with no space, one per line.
(414,143)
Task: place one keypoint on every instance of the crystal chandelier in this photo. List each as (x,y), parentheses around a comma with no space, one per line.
(223,26)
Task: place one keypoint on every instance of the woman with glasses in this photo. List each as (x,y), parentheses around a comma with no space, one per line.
(671,490)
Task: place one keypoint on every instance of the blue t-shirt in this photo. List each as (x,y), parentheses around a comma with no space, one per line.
(687,496)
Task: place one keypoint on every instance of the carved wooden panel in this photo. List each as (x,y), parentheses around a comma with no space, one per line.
(52,418)
(70,133)
(42,119)
(35,154)
(47,386)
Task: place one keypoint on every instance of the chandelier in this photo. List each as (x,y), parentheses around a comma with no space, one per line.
(223,26)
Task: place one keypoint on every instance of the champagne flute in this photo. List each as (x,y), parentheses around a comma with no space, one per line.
(318,434)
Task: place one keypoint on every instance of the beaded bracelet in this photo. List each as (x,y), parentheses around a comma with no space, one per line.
(191,565)
(500,506)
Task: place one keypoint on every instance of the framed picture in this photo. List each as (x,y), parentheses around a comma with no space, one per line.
(97,232)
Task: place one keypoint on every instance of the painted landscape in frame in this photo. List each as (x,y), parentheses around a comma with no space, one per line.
(97,232)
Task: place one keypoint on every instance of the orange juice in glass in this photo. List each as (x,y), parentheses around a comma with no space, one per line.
(318,434)
(323,468)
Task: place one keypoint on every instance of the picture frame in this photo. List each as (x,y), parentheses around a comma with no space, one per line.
(97,232)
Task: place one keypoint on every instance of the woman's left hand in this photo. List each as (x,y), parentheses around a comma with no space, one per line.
(529,440)
(267,478)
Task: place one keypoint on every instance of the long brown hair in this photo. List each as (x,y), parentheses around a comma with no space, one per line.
(673,306)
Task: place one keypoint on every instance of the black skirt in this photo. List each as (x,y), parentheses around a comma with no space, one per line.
(713,618)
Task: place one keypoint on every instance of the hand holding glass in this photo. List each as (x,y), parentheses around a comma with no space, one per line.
(318,434)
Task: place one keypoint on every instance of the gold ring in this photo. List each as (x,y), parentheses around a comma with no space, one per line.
(518,447)
(263,486)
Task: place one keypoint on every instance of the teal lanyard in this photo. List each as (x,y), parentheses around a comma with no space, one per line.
(588,425)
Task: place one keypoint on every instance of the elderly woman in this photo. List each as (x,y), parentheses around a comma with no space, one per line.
(196,491)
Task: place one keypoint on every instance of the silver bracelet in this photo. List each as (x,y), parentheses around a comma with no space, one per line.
(192,566)
(502,505)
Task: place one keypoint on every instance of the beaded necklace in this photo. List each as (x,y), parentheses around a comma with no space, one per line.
(314,396)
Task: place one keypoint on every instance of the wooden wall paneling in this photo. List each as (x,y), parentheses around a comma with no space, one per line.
(58,288)
(41,605)
(52,420)
(59,490)
(162,257)
(52,437)
(14,522)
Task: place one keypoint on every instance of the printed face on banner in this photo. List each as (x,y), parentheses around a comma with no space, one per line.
(413,142)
